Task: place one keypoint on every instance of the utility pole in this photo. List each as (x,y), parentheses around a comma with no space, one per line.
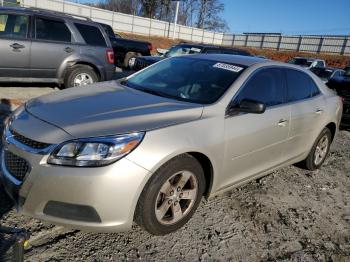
(176,14)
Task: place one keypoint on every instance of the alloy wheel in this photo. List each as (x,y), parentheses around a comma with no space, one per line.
(321,150)
(176,197)
(82,79)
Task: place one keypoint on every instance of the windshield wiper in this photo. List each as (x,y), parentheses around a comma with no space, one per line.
(154,92)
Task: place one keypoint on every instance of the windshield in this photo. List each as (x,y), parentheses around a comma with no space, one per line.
(179,50)
(187,79)
(300,61)
(322,72)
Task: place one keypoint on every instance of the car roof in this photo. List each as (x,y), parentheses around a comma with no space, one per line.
(307,58)
(57,14)
(234,59)
(208,46)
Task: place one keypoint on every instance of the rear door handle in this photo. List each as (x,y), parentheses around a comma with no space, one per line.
(68,50)
(282,123)
(318,111)
(17,46)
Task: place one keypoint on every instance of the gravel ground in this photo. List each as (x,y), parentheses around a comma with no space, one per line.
(290,215)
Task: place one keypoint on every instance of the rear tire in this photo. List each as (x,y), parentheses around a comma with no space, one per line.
(129,60)
(80,75)
(171,196)
(319,151)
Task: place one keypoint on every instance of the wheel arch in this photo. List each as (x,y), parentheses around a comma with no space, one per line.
(208,170)
(333,128)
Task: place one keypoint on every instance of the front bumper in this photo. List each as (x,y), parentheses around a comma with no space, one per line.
(69,195)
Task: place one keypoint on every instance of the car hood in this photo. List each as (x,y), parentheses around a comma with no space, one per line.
(109,108)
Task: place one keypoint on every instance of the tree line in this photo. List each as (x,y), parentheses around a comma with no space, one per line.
(204,14)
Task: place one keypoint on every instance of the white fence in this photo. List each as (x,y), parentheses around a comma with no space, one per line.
(145,26)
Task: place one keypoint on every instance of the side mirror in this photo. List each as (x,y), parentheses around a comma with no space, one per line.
(248,106)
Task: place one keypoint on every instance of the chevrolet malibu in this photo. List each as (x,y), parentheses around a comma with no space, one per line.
(147,148)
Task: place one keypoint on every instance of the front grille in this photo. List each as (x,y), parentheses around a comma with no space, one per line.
(27,141)
(15,165)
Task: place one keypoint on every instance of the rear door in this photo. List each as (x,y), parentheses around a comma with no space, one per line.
(15,45)
(255,142)
(52,44)
(307,112)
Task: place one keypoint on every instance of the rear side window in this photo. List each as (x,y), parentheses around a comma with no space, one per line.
(91,35)
(265,86)
(13,26)
(300,86)
(52,30)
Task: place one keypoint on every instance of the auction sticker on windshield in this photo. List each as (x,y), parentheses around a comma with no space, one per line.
(232,68)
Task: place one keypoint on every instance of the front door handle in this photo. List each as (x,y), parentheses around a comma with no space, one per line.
(282,123)
(68,50)
(318,111)
(17,46)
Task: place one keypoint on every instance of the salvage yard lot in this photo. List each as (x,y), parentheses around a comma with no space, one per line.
(290,215)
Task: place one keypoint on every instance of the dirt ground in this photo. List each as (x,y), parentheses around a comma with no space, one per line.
(290,215)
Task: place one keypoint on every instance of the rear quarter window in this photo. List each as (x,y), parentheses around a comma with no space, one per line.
(92,35)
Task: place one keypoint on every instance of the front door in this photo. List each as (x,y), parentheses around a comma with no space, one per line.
(15,45)
(255,142)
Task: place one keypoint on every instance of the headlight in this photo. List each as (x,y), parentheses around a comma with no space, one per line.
(94,152)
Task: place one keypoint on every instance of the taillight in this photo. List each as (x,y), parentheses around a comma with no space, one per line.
(342,99)
(150,47)
(110,56)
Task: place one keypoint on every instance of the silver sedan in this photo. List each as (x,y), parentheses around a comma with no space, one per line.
(146,148)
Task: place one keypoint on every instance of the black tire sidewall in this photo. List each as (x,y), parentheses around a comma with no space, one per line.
(71,74)
(127,59)
(145,212)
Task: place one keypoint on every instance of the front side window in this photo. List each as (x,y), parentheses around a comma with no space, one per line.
(13,26)
(266,86)
(300,86)
(52,30)
(187,79)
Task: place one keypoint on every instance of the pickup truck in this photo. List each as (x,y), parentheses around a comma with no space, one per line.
(126,50)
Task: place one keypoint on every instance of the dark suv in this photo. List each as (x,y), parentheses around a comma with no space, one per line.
(186,49)
(44,46)
(341,84)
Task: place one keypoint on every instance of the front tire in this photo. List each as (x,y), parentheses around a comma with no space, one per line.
(319,151)
(171,196)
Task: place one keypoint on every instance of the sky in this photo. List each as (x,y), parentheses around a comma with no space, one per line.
(288,16)
(291,17)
